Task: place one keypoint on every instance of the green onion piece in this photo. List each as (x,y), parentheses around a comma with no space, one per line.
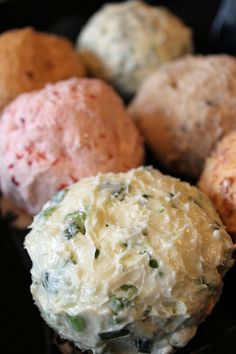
(114,334)
(130,288)
(78,323)
(75,224)
(48,211)
(120,303)
(60,195)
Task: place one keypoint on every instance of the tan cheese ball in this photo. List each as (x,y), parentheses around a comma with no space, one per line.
(184,108)
(218,180)
(30,59)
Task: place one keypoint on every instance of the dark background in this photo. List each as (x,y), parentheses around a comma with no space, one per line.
(22,330)
(213,21)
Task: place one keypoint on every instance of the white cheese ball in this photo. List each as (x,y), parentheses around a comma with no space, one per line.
(131,261)
(124,43)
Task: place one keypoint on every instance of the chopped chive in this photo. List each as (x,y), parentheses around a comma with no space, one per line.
(161,210)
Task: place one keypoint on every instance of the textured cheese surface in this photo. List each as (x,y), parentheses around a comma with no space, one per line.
(147,255)
(124,43)
(53,137)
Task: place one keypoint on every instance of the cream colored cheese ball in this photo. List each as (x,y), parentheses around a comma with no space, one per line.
(184,108)
(124,43)
(30,59)
(129,262)
(53,137)
(218,180)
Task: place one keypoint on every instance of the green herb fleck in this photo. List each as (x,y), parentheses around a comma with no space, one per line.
(153,263)
(75,224)
(78,323)
(125,244)
(60,196)
(114,334)
(96,254)
(49,211)
(171,195)
(161,210)
(106,225)
(120,303)
(130,289)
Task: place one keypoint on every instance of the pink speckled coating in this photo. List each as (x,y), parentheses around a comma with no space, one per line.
(51,138)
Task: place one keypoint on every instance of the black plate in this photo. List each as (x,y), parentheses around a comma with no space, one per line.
(22,329)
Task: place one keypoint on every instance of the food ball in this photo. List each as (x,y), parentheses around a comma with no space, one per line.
(124,43)
(51,138)
(218,180)
(30,59)
(184,108)
(129,262)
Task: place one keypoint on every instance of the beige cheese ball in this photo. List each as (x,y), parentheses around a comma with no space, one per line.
(124,43)
(184,108)
(129,262)
(218,180)
(29,59)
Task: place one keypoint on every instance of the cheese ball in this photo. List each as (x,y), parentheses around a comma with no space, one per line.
(184,108)
(124,43)
(30,59)
(53,137)
(129,262)
(218,180)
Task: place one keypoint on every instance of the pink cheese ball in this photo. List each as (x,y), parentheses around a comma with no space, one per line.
(53,137)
